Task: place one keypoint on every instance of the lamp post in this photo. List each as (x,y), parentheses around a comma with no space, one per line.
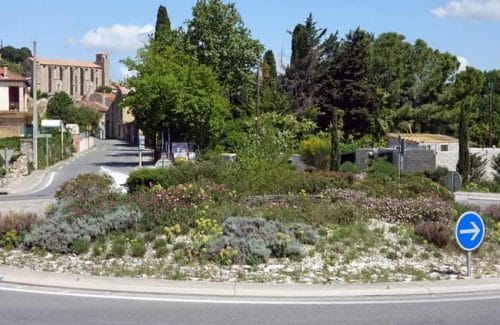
(35,111)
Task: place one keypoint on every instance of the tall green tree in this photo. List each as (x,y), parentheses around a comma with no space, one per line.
(162,28)
(268,67)
(59,106)
(172,91)
(218,38)
(467,88)
(357,97)
(299,79)
(328,92)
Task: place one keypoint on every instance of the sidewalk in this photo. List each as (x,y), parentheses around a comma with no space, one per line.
(164,287)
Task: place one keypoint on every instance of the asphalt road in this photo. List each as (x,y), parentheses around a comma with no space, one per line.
(481,201)
(109,156)
(56,307)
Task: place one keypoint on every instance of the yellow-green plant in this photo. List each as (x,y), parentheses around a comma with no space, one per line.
(227,255)
(172,231)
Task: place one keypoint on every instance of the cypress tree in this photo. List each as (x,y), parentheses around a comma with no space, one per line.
(463,144)
(269,72)
(162,23)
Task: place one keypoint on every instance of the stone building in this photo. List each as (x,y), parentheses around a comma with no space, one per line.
(76,78)
(120,123)
(15,114)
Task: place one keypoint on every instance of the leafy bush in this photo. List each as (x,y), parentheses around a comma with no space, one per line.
(315,151)
(10,143)
(255,240)
(84,186)
(434,232)
(9,239)
(175,205)
(383,169)
(438,174)
(57,233)
(80,246)
(477,167)
(118,247)
(137,248)
(349,167)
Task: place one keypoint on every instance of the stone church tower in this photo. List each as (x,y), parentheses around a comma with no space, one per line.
(102,60)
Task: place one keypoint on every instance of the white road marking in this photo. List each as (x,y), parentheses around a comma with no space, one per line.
(61,167)
(119,178)
(248,302)
(51,178)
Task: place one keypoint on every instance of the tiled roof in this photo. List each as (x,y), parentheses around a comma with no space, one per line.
(11,76)
(425,138)
(70,63)
(96,106)
(110,96)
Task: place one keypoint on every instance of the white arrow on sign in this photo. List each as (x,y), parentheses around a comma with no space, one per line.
(474,230)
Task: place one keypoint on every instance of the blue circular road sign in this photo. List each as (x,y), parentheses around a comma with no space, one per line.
(469,231)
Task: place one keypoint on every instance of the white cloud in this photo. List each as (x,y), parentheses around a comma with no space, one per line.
(126,73)
(463,63)
(470,9)
(120,38)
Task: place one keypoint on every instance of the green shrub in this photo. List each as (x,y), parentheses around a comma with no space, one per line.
(434,232)
(2,171)
(315,151)
(9,239)
(349,167)
(383,169)
(80,246)
(118,247)
(149,236)
(99,248)
(137,248)
(10,143)
(84,186)
(477,167)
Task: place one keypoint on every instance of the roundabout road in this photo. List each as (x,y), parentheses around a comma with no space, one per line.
(36,305)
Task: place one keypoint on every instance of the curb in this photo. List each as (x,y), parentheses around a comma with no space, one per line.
(65,281)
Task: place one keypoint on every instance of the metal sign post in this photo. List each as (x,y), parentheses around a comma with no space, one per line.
(141,147)
(469,233)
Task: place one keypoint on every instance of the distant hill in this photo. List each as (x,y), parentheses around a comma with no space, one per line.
(13,58)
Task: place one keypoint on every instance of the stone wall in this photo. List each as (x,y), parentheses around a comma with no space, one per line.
(17,169)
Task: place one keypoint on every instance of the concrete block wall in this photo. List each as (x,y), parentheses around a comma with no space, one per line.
(419,161)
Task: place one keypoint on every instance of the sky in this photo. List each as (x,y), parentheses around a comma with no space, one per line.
(76,29)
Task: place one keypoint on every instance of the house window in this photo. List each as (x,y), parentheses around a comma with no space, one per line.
(444,147)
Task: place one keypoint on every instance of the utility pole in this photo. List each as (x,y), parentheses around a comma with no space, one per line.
(35,111)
